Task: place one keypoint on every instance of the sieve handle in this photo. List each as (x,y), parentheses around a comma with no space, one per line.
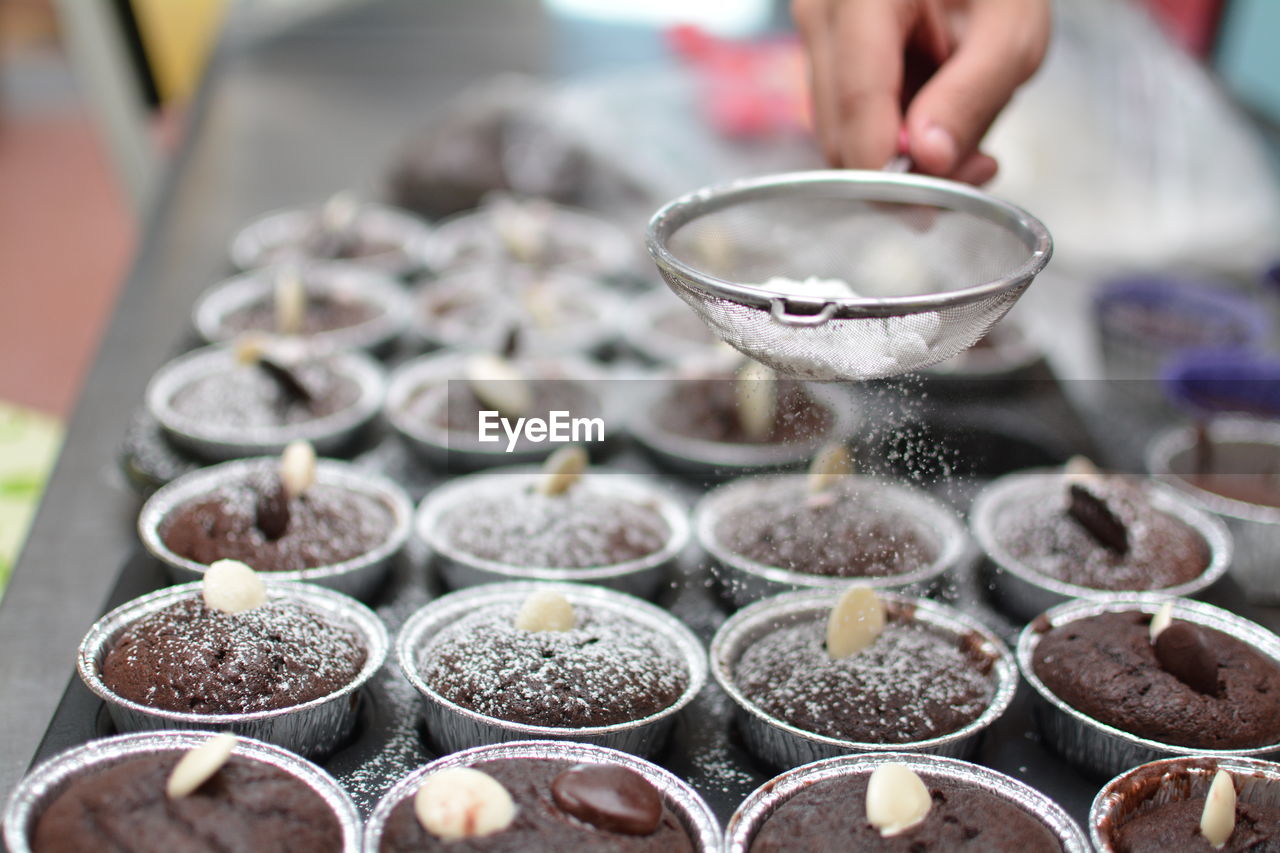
(778,310)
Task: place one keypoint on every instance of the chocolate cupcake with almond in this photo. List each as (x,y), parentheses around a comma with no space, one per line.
(254,397)
(1197,804)
(542,797)
(296,518)
(511,661)
(169,792)
(328,306)
(564,521)
(824,530)
(1123,682)
(738,416)
(476,308)
(814,674)
(281,662)
(1051,535)
(900,802)
(344,228)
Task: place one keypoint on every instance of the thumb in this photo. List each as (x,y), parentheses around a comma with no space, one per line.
(998,50)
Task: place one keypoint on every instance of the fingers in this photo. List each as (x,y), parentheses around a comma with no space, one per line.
(977,170)
(869,36)
(1002,43)
(811,17)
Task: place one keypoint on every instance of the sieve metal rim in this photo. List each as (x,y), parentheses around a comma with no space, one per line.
(868,186)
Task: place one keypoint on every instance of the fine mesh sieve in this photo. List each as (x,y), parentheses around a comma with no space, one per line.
(930,266)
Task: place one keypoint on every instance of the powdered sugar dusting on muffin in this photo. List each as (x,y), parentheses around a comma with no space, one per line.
(606,670)
(582,528)
(911,684)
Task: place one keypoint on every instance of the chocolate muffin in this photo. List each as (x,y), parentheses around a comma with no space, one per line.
(1055,532)
(842,532)
(480,307)
(605,670)
(542,825)
(325,312)
(191,658)
(1107,667)
(707,409)
(913,683)
(829,814)
(585,527)
(323,526)
(258,395)
(1259,489)
(246,805)
(1176,826)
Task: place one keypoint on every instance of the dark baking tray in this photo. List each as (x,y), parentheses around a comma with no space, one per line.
(1002,431)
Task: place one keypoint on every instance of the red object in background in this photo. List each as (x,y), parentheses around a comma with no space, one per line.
(1192,23)
(749,88)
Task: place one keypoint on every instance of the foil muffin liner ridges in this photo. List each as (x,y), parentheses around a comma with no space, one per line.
(1173,780)
(313,728)
(35,792)
(1255,529)
(770,796)
(741,580)
(327,434)
(1024,593)
(376,334)
(360,576)
(452,727)
(783,745)
(1106,750)
(689,808)
(457,568)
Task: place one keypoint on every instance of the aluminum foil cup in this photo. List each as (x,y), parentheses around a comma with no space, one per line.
(313,728)
(335,279)
(783,745)
(1105,750)
(457,450)
(1023,593)
(661,329)
(1255,529)
(772,795)
(360,576)
(1173,780)
(741,580)
(1196,315)
(44,784)
(700,458)
(602,249)
(693,813)
(453,727)
(216,442)
(279,237)
(458,568)
(485,303)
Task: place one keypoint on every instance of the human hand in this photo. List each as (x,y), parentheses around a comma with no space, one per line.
(951,65)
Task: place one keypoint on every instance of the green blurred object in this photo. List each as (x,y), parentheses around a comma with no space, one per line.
(29,444)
